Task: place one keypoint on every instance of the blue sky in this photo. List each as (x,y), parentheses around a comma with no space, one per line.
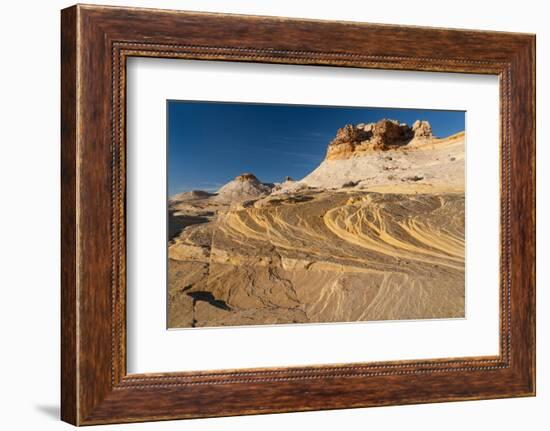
(209,143)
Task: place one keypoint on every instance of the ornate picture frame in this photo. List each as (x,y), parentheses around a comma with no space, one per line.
(96,41)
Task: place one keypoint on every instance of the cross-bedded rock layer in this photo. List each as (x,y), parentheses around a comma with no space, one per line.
(376,232)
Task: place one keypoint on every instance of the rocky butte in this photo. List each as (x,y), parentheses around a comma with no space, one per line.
(244,186)
(352,140)
(389,155)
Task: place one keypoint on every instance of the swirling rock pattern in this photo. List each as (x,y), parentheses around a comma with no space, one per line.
(332,257)
(384,248)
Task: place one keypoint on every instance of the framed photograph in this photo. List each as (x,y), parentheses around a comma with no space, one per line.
(264,214)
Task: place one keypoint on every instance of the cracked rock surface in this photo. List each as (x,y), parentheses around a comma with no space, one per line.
(380,239)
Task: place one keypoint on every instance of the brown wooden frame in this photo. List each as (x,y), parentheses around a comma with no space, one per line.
(95,43)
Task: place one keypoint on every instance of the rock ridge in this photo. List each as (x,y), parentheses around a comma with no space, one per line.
(386,134)
(244,186)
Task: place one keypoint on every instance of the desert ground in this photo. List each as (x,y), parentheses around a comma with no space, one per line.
(375,232)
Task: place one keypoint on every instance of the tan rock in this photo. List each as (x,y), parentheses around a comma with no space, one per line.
(385,134)
(422,129)
(244,187)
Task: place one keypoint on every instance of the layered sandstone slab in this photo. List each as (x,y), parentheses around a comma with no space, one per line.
(375,232)
(322,257)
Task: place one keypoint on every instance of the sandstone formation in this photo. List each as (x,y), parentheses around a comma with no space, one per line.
(191,196)
(243,187)
(432,164)
(422,129)
(375,232)
(353,140)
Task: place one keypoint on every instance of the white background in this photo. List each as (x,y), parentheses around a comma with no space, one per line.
(29,226)
(151,348)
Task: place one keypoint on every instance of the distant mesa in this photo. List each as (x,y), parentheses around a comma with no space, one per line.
(352,140)
(247,176)
(422,129)
(243,187)
(286,185)
(191,196)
